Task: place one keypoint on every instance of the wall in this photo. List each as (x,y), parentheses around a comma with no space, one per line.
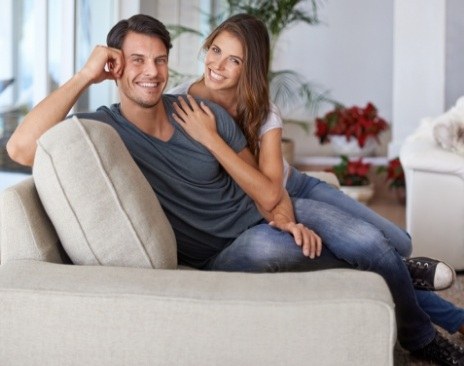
(349,54)
(406,56)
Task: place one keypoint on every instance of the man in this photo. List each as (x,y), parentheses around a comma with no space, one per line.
(217,225)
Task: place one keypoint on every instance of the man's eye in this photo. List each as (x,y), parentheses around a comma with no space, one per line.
(161,61)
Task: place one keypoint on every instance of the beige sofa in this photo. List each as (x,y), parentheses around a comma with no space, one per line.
(119,308)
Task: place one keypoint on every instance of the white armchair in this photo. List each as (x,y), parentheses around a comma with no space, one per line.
(435,197)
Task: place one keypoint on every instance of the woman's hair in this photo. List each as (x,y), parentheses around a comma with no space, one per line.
(253,86)
(139,23)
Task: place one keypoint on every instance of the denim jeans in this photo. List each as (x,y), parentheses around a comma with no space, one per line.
(353,238)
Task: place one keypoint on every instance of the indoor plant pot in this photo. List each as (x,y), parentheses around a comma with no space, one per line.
(353,178)
(352,131)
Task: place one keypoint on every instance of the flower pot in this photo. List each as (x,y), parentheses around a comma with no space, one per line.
(362,194)
(341,146)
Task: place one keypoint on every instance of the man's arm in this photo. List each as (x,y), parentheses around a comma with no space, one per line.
(21,146)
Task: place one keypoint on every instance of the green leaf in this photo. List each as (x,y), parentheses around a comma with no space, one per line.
(178,30)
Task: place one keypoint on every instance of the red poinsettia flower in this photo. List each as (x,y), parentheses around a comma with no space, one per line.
(395,173)
(351,172)
(355,122)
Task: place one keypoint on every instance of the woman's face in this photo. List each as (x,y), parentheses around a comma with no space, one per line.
(224,62)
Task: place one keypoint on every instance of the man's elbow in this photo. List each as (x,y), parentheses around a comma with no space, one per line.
(18,153)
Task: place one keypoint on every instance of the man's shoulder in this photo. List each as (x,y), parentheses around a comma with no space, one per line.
(102,114)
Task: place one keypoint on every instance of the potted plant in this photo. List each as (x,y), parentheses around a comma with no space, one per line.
(354,179)
(395,178)
(353,131)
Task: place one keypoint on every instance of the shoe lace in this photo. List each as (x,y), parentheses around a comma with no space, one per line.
(418,272)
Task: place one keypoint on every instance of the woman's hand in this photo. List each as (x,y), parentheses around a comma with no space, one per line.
(307,239)
(197,119)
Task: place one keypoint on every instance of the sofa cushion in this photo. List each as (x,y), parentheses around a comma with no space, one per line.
(102,207)
(25,229)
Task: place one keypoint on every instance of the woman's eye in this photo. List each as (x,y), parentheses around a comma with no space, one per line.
(235,61)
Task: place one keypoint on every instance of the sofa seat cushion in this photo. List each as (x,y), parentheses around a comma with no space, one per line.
(52,314)
(101,205)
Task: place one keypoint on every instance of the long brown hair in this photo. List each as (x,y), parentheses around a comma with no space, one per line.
(253,85)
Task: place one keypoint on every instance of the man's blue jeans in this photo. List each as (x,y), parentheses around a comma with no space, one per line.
(357,236)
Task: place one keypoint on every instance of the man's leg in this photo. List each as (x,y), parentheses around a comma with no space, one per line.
(267,249)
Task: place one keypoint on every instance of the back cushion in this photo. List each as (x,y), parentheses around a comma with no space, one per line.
(102,207)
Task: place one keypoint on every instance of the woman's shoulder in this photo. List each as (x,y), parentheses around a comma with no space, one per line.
(273,120)
(182,88)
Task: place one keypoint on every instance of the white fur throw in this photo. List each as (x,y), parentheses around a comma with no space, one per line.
(448,129)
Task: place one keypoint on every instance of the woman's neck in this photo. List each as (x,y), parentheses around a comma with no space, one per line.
(225,98)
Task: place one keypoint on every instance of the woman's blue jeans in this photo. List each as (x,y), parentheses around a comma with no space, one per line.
(358,237)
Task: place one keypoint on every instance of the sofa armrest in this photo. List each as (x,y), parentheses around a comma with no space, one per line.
(25,229)
(53,313)
(426,155)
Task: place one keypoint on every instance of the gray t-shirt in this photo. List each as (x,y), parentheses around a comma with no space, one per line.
(206,208)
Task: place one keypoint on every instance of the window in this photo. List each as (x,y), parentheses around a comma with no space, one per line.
(46,41)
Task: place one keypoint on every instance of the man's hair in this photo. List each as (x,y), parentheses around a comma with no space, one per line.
(253,86)
(140,23)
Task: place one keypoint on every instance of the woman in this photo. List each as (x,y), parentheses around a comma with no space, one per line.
(237,56)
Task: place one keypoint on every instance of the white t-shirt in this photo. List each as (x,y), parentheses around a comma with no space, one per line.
(273,120)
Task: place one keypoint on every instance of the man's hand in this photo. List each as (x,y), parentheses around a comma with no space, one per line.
(104,63)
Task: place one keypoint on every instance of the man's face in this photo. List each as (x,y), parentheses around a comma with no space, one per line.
(145,70)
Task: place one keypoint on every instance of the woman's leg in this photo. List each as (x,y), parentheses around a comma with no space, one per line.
(300,185)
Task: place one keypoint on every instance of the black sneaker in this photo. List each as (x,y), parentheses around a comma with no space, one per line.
(442,351)
(430,274)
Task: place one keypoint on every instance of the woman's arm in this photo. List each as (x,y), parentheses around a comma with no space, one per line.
(199,122)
